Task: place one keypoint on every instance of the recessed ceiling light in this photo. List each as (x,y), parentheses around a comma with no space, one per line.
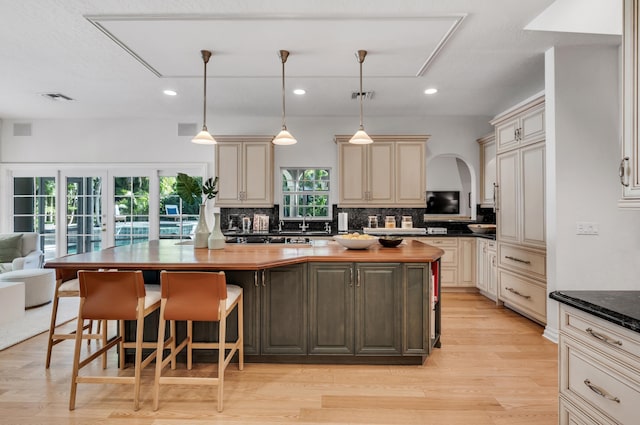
(431,91)
(170,92)
(299,92)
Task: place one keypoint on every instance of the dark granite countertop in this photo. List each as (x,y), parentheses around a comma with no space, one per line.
(619,307)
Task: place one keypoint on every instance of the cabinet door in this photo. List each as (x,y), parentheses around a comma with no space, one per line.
(410,174)
(533,190)
(229,171)
(487,171)
(481,272)
(630,161)
(416,308)
(507,211)
(258,174)
(467,262)
(352,164)
(492,274)
(378,306)
(532,128)
(284,310)
(506,135)
(250,281)
(381,173)
(331,287)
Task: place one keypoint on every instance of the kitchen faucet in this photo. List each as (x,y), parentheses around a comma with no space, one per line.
(304,225)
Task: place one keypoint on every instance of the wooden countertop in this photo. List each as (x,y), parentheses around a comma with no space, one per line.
(167,254)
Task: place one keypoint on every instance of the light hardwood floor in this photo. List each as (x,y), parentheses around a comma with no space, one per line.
(494,368)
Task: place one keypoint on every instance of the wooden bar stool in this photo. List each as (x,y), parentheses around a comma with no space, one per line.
(114,295)
(197,296)
(67,285)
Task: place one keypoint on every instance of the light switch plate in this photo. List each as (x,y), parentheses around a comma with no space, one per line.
(586,228)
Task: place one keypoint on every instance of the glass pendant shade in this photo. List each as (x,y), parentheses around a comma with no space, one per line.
(284,137)
(361,137)
(204,137)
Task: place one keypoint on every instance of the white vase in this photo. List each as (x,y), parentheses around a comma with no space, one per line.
(216,238)
(202,230)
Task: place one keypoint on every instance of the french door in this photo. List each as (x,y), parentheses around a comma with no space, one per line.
(84,224)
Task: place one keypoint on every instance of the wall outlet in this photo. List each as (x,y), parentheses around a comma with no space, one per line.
(586,228)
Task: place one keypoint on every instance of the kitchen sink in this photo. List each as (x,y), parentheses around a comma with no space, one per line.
(306,232)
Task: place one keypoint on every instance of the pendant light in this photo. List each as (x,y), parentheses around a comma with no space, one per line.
(284,137)
(361,137)
(204,137)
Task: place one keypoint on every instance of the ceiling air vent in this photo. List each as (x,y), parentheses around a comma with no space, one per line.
(58,97)
(368,95)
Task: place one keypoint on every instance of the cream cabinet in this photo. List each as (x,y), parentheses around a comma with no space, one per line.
(244,166)
(487,268)
(629,171)
(487,146)
(520,193)
(599,370)
(520,210)
(390,171)
(520,126)
(458,263)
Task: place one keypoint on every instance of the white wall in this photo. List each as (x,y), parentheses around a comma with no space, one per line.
(136,141)
(582,93)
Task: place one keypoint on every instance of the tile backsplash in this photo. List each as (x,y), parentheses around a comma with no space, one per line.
(358,218)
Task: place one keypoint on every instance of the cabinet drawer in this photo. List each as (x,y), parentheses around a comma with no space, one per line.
(570,414)
(522,260)
(448,276)
(440,242)
(525,294)
(602,335)
(491,245)
(593,378)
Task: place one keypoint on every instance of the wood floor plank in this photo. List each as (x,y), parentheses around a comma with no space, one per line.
(494,368)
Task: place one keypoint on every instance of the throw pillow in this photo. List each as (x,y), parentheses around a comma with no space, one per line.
(10,247)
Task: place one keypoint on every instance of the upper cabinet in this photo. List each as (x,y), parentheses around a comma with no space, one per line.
(521,126)
(390,171)
(244,166)
(629,171)
(487,170)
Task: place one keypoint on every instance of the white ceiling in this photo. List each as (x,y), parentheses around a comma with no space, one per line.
(114,57)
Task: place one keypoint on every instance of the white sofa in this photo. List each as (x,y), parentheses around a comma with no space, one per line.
(28,246)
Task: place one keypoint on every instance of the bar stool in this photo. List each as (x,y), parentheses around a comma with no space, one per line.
(67,285)
(114,295)
(197,296)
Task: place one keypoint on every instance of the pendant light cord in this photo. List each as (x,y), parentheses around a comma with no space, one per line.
(361,55)
(205,58)
(283,56)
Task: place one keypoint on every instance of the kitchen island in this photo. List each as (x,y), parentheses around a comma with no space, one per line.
(306,303)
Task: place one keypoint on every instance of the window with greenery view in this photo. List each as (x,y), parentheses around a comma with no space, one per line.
(305,193)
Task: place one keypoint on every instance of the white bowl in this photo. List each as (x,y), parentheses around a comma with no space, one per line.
(355,243)
(482,228)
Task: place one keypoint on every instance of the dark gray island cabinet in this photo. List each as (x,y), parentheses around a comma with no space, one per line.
(304,304)
(345,312)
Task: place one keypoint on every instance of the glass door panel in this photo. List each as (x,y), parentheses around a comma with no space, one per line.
(34,210)
(85,226)
(131,201)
